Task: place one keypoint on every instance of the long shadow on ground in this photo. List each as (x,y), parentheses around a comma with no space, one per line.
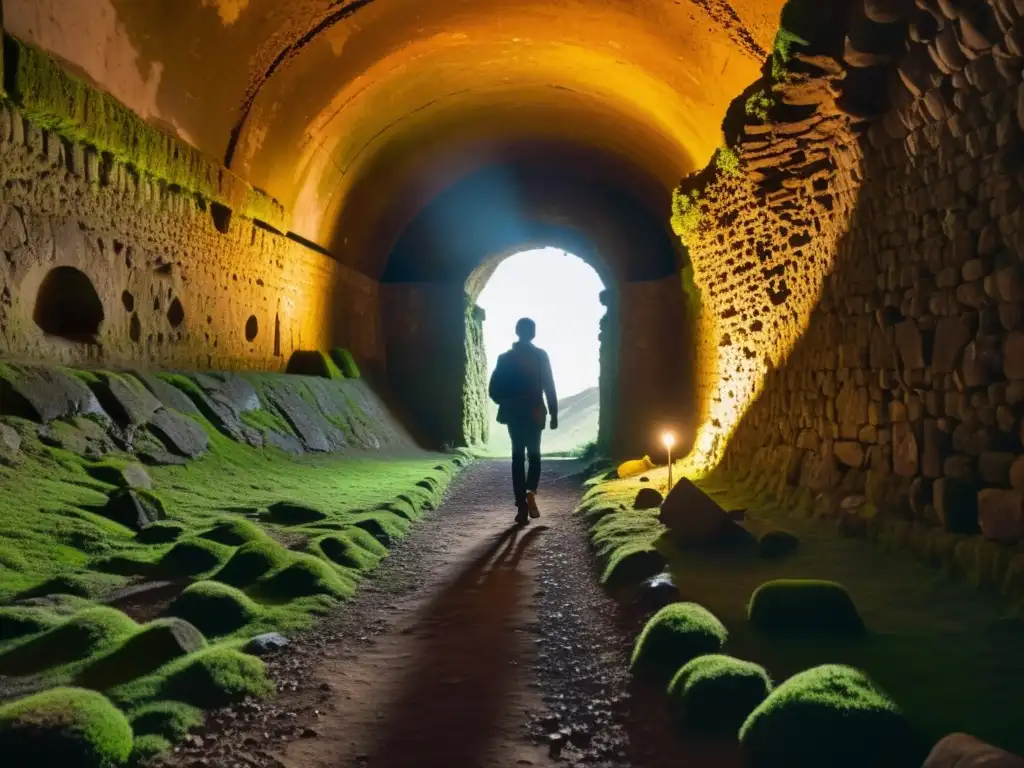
(451,704)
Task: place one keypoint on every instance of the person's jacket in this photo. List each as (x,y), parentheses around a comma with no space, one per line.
(521,381)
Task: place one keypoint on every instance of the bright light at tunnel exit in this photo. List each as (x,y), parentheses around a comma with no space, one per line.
(560,292)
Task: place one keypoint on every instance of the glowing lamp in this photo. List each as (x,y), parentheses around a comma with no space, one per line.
(669,440)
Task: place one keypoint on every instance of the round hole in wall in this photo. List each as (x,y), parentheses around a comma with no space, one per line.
(252,328)
(68,306)
(175,313)
(128,300)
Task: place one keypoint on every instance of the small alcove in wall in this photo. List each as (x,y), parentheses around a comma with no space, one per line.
(68,306)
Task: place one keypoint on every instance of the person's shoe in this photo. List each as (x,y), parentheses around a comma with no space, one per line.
(523,515)
(531,504)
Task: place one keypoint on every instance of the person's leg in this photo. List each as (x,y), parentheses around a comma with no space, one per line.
(515,433)
(533,454)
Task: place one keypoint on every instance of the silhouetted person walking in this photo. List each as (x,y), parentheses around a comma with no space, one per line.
(521,382)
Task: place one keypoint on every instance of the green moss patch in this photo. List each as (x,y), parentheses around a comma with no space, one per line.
(386,527)
(208,679)
(252,561)
(61,102)
(18,622)
(156,644)
(169,719)
(64,727)
(90,632)
(215,609)
(352,548)
(162,532)
(306,577)
(674,636)
(293,513)
(234,533)
(345,362)
(630,564)
(313,363)
(147,747)
(831,715)
(804,605)
(194,556)
(717,693)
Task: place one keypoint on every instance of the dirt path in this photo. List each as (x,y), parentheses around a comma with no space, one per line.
(476,644)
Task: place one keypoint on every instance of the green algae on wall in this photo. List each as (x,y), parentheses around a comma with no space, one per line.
(60,102)
(475,422)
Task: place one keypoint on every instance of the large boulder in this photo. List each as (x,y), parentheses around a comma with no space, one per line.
(44,394)
(179,434)
(959,750)
(692,517)
(125,399)
(134,508)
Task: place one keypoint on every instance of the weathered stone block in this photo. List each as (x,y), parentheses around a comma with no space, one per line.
(910,344)
(994,467)
(952,334)
(1013,355)
(905,455)
(956,504)
(1001,514)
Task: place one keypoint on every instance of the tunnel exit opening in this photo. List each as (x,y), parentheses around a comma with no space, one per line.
(562,294)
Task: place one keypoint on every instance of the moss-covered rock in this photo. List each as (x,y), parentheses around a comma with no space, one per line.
(252,561)
(293,513)
(717,693)
(630,564)
(17,622)
(194,556)
(84,634)
(831,715)
(214,608)
(345,362)
(64,727)
(386,527)
(211,678)
(344,550)
(147,747)
(675,635)
(305,577)
(804,605)
(162,532)
(156,644)
(234,533)
(169,719)
(776,543)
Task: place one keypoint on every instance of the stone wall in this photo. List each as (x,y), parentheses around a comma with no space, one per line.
(179,281)
(863,285)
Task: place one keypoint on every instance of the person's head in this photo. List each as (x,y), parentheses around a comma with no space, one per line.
(526,329)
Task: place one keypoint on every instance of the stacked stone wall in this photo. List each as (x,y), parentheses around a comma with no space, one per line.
(182,282)
(862,278)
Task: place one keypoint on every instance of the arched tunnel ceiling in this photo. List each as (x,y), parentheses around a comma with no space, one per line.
(355,114)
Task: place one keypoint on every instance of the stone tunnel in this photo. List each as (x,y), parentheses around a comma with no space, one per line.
(808,216)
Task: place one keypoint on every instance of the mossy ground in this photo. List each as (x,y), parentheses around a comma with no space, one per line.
(944,650)
(245,572)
